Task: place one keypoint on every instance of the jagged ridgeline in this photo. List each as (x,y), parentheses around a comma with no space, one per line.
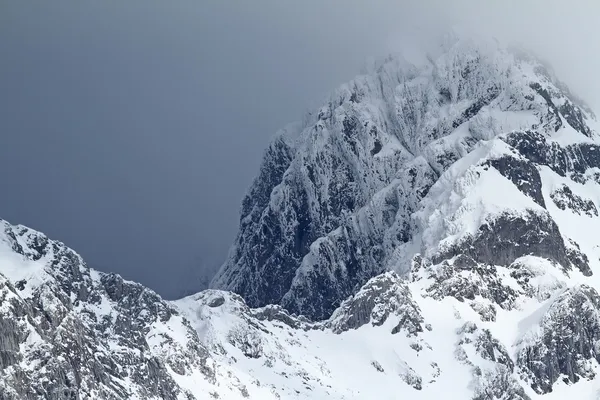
(477,151)
(431,229)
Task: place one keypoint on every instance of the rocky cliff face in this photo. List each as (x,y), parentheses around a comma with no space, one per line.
(68,332)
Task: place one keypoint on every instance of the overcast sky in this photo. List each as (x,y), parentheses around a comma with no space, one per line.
(131,129)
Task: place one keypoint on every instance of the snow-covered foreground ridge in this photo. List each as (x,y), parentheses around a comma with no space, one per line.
(527,330)
(435,221)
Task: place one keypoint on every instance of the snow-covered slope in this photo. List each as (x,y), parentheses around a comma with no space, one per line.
(527,330)
(435,223)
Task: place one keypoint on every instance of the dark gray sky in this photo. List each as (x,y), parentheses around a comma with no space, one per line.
(131,130)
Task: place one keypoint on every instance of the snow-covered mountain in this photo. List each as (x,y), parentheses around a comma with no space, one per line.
(417,158)
(430,230)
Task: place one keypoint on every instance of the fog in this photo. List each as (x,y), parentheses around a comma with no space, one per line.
(131,130)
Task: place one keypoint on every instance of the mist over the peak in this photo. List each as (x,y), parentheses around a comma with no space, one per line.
(131,130)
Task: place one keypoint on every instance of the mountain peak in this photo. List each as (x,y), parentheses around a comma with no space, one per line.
(345,196)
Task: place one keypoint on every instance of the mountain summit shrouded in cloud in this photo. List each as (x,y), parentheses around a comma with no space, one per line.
(346,195)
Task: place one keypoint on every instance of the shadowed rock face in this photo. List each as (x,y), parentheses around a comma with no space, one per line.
(495,380)
(360,248)
(66,324)
(564,198)
(523,174)
(509,237)
(567,341)
(383,296)
(465,280)
(571,160)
